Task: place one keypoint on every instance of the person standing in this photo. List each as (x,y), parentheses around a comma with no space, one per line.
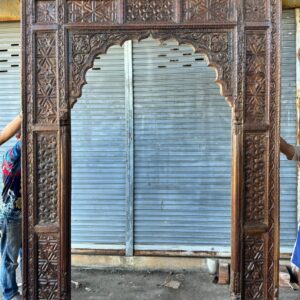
(10,211)
(293,153)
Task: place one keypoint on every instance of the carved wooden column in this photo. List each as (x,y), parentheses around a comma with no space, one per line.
(46,151)
(256,131)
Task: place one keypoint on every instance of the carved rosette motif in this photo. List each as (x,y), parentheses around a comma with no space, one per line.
(254,267)
(94,11)
(48,262)
(85,47)
(46,163)
(45,12)
(206,10)
(255,10)
(255,106)
(255,146)
(151,11)
(46,103)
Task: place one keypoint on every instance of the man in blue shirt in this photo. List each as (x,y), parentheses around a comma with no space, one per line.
(10,212)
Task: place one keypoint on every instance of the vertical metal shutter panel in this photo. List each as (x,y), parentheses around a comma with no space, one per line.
(10,80)
(288,170)
(98,156)
(182,151)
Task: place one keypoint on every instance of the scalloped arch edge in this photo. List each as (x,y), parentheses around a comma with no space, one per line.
(86,46)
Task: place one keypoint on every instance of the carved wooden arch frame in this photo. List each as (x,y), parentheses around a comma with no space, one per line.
(60,40)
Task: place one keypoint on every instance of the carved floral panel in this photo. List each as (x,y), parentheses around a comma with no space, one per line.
(45,12)
(255,147)
(48,263)
(46,83)
(255,106)
(47,189)
(150,11)
(93,11)
(255,10)
(254,247)
(206,10)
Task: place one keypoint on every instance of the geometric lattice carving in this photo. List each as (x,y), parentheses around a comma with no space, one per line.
(45,12)
(137,11)
(85,46)
(256,77)
(255,10)
(46,106)
(151,11)
(255,178)
(46,178)
(95,11)
(206,10)
(254,267)
(48,261)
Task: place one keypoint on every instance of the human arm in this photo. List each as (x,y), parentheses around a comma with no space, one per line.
(11,129)
(287,149)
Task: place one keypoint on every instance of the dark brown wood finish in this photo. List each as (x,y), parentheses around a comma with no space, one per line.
(60,40)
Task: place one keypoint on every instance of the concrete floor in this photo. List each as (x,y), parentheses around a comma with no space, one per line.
(142,285)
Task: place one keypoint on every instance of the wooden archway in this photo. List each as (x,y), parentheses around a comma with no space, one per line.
(60,40)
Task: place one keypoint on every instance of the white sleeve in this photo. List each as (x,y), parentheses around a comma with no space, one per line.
(297,153)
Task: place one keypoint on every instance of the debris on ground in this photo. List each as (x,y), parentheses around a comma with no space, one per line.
(284,280)
(212,266)
(115,285)
(224,272)
(75,284)
(215,279)
(284,277)
(219,270)
(173,281)
(173,284)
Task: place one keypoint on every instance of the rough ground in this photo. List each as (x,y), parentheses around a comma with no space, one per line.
(142,285)
(95,284)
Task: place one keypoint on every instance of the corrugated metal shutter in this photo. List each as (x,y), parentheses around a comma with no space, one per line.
(288,177)
(182,151)
(10,80)
(98,157)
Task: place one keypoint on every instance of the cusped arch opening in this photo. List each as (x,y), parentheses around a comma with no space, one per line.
(183,153)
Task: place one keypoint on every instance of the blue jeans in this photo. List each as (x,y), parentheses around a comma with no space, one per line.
(11,245)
